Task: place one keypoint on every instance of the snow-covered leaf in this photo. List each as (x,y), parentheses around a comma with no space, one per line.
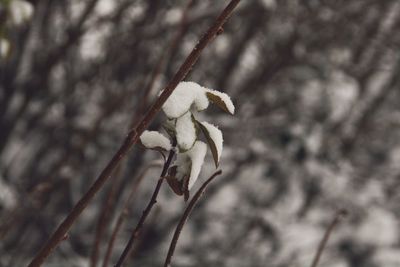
(155,140)
(201,100)
(190,162)
(185,131)
(214,139)
(196,155)
(222,100)
(184,96)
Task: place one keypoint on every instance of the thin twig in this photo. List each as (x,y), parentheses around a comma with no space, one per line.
(338,216)
(185,216)
(146,234)
(148,208)
(124,213)
(132,137)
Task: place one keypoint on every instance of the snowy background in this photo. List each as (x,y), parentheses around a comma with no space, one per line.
(316,129)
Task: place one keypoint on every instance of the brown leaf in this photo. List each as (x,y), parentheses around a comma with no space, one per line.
(218,101)
(210,142)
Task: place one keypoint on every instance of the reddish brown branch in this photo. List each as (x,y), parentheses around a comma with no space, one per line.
(147,232)
(338,216)
(132,137)
(185,216)
(124,213)
(148,208)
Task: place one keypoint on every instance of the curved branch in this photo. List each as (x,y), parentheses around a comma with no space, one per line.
(122,215)
(185,216)
(148,208)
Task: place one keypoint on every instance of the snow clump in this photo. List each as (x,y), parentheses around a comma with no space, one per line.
(154,139)
(186,100)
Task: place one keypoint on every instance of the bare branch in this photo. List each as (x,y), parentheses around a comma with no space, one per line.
(148,208)
(124,213)
(185,216)
(338,216)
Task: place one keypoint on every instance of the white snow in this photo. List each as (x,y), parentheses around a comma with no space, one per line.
(20,11)
(380,228)
(184,96)
(154,139)
(191,162)
(269,4)
(201,101)
(196,154)
(4,47)
(216,136)
(225,98)
(185,131)
(8,196)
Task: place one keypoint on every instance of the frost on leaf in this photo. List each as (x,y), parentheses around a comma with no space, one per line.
(185,131)
(189,163)
(155,140)
(221,99)
(185,95)
(214,139)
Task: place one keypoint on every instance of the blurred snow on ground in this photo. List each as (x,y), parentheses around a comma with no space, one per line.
(173,15)
(269,4)
(343,91)
(225,201)
(388,257)
(91,45)
(8,196)
(380,228)
(105,7)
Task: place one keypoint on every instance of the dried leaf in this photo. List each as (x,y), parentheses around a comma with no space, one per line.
(175,185)
(211,143)
(216,99)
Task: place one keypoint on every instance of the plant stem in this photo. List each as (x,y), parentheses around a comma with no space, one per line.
(338,216)
(132,137)
(124,213)
(185,216)
(148,208)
